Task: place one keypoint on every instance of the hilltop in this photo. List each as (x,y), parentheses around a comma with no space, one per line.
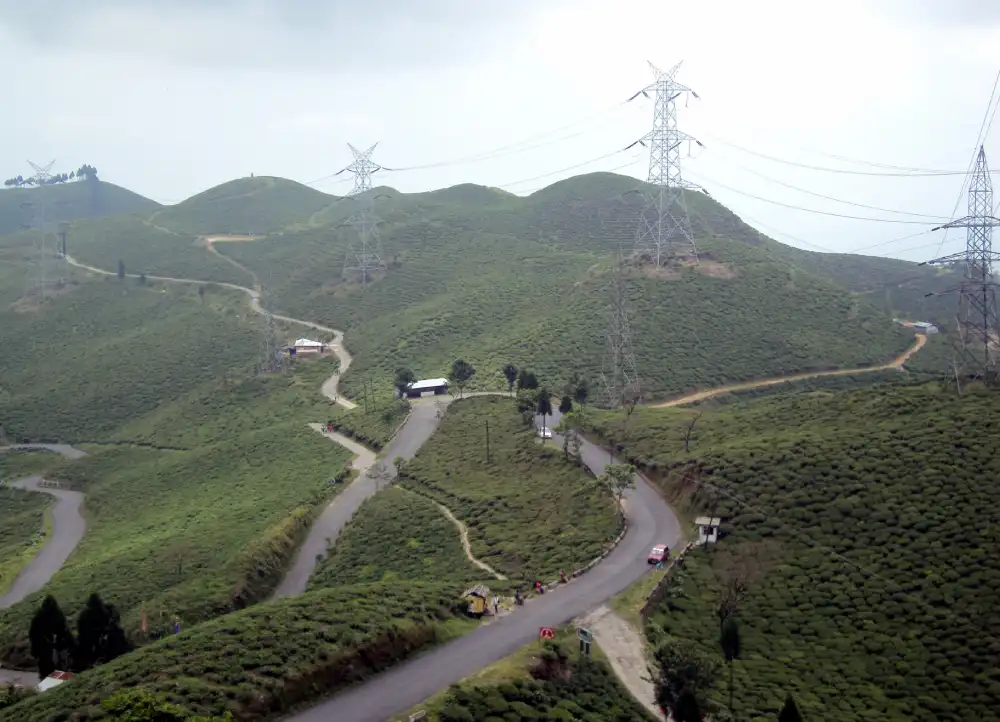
(69,202)
(496,278)
(246,206)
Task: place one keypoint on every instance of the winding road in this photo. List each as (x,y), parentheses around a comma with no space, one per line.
(650,521)
(68,527)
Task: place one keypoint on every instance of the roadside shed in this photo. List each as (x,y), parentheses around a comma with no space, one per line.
(708,529)
(418,388)
(478,598)
(305,345)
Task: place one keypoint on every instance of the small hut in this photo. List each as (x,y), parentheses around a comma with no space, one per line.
(478,598)
(708,529)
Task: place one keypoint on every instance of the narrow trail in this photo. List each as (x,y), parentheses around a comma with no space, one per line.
(896,363)
(330,386)
(463,533)
(626,651)
(210,242)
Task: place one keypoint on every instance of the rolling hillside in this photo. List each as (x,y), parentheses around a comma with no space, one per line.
(250,206)
(496,278)
(69,202)
(871,593)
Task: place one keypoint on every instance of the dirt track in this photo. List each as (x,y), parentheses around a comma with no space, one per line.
(896,363)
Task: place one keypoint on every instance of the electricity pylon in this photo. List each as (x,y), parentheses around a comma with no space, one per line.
(978,332)
(41,179)
(364,257)
(665,234)
(272,352)
(618,375)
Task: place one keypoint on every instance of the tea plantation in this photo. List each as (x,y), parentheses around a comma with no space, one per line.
(878,503)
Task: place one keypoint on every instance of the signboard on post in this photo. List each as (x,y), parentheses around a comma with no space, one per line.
(546,633)
(586,637)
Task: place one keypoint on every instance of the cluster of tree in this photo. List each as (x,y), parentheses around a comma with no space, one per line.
(84,172)
(99,637)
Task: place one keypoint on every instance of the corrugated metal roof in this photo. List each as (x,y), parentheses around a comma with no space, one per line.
(428,384)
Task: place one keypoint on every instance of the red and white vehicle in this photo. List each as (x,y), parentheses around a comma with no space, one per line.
(658,554)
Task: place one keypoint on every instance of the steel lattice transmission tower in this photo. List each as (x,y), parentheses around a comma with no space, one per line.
(665,234)
(618,375)
(364,258)
(40,180)
(272,352)
(978,329)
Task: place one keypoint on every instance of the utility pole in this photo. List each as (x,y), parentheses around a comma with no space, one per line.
(364,258)
(487,441)
(619,375)
(664,236)
(977,339)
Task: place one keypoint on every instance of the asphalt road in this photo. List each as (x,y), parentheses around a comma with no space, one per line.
(651,521)
(68,527)
(419,425)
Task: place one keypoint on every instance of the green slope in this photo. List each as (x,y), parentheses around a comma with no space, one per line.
(877,508)
(248,206)
(507,279)
(68,202)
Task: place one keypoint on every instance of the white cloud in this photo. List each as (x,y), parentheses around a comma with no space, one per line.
(171,98)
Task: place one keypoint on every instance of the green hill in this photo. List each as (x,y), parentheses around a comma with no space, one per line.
(866,521)
(247,206)
(68,202)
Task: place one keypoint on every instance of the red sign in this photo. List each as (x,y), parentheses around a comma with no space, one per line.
(546,633)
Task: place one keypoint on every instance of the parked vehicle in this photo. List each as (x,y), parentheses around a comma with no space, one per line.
(658,554)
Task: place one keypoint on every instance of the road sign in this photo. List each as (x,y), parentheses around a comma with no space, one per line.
(585,635)
(546,633)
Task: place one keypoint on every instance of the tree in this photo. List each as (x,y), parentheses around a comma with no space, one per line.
(739,568)
(461,373)
(121,270)
(142,279)
(527,380)
(729,640)
(565,405)
(403,380)
(87,172)
(99,634)
(510,373)
(683,671)
(544,405)
(578,388)
(52,643)
(616,480)
(790,712)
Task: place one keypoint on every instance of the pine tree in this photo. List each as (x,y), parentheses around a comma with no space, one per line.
(100,637)
(52,643)
(790,712)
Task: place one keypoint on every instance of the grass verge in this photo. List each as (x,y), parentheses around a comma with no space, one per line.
(22,531)
(530,514)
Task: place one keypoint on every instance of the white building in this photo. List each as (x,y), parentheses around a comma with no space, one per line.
(305,345)
(54,680)
(708,529)
(417,388)
(925,327)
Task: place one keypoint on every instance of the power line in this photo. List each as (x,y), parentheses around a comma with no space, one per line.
(511,148)
(926,174)
(812,210)
(829,198)
(567,168)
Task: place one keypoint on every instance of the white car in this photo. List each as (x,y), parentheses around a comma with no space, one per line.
(544,432)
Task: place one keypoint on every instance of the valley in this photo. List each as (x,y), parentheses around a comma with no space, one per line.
(214,495)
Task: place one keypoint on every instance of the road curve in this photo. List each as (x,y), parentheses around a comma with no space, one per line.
(651,521)
(330,387)
(896,363)
(68,527)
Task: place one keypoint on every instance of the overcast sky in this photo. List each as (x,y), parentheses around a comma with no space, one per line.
(170,97)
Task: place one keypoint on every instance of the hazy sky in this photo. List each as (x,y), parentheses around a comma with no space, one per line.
(170,97)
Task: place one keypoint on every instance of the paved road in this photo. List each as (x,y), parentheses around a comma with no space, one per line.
(651,521)
(419,426)
(68,527)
